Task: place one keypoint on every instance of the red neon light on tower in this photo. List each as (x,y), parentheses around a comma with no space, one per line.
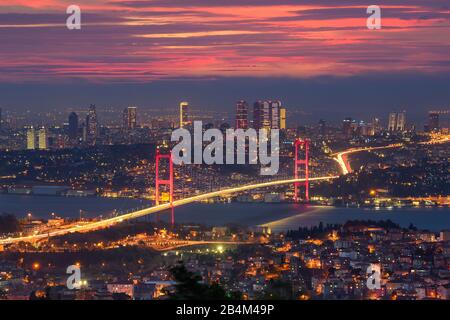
(298,164)
(169,182)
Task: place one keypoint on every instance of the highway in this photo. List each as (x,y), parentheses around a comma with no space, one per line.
(342,157)
(95,225)
(187,243)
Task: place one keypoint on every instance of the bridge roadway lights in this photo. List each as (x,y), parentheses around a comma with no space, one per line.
(100,224)
(301,165)
(159,182)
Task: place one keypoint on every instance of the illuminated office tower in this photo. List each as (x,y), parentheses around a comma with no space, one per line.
(91,124)
(392,121)
(261,115)
(129,118)
(242,115)
(266,114)
(184,114)
(348,127)
(31,139)
(73,126)
(42,138)
(397,121)
(282,118)
(375,127)
(401,121)
(275,114)
(363,129)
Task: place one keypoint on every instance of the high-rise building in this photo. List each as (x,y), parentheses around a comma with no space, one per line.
(401,121)
(282,118)
(42,138)
(348,126)
(73,126)
(267,115)
(392,121)
(129,118)
(397,121)
(242,115)
(185,118)
(31,139)
(375,127)
(261,115)
(275,114)
(433,121)
(91,124)
(363,129)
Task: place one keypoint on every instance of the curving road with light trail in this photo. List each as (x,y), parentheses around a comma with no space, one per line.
(342,157)
(96,225)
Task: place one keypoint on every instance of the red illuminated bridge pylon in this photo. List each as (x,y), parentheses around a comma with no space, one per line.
(169,181)
(301,166)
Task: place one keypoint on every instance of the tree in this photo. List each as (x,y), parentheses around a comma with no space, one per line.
(278,290)
(189,287)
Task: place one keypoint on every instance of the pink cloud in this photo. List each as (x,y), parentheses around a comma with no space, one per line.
(147,40)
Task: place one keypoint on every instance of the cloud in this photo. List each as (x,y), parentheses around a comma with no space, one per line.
(148,40)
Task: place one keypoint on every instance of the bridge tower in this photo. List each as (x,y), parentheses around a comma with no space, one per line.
(169,181)
(301,166)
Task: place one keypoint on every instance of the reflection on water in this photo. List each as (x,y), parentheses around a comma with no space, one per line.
(277,216)
(68,207)
(435,219)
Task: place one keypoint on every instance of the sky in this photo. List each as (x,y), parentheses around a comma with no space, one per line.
(312,55)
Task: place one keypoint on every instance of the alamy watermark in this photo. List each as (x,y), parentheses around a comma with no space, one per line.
(73,22)
(231,149)
(74,280)
(373,277)
(374,20)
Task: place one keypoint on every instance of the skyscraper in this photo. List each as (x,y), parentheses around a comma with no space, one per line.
(261,115)
(373,127)
(73,126)
(185,119)
(129,118)
(392,121)
(242,115)
(401,121)
(91,124)
(397,121)
(31,139)
(275,114)
(42,138)
(348,127)
(282,118)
